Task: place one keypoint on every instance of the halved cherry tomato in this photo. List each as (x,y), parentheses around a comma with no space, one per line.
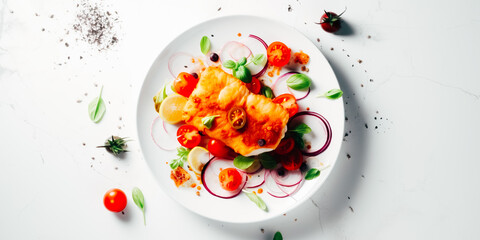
(254,86)
(278,54)
(230,179)
(237,117)
(184,84)
(293,160)
(289,102)
(218,149)
(285,146)
(115,200)
(188,136)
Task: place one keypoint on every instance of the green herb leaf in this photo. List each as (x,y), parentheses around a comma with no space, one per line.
(243,74)
(161,95)
(259,59)
(97,108)
(242,162)
(230,64)
(267,92)
(312,173)
(257,200)
(267,161)
(299,81)
(182,154)
(205,45)
(139,200)
(332,94)
(278,236)
(298,139)
(208,121)
(302,128)
(242,61)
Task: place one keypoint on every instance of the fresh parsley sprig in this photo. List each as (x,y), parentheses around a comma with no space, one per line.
(182,154)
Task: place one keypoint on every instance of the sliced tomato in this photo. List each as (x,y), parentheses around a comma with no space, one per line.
(254,86)
(220,149)
(289,102)
(237,117)
(293,160)
(285,146)
(184,84)
(188,136)
(278,54)
(230,179)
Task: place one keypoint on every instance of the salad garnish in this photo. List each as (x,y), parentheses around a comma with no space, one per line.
(205,45)
(267,92)
(332,94)
(182,154)
(139,200)
(97,108)
(299,81)
(256,199)
(242,162)
(208,121)
(312,174)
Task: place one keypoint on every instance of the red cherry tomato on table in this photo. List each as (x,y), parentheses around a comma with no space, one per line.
(292,160)
(330,21)
(218,149)
(184,84)
(289,102)
(188,136)
(230,179)
(254,86)
(278,54)
(115,200)
(285,146)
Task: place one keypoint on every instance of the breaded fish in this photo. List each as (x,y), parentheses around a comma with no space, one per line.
(216,93)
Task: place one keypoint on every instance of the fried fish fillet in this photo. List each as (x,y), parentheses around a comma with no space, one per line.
(216,93)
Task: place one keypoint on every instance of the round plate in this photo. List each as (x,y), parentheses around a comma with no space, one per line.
(220,31)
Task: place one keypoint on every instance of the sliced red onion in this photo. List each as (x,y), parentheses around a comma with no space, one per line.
(234,50)
(280,87)
(272,187)
(181,62)
(258,71)
(289,179)
(293,189)
(211,182)
(259,39)
(256,179)
(321,135)
(164,135)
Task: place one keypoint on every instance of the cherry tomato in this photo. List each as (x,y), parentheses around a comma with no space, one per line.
(254,86)
(184,84)
(188,136)
(289,102)
(293,160)
(115,200)
(237,117)
(330,21)
(285,146)
(218,149)
(278,54)
(230,179)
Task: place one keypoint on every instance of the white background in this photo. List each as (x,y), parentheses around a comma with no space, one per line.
(408,168)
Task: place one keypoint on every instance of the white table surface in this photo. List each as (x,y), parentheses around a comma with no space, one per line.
(408,168)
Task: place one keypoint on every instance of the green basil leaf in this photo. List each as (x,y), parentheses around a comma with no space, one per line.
(230,64)
(208,121)
(312,173)
(278,236)
(242,61)
(267,161)
(257,200)
(242,162)
(333,94)
(259,59)
(243,74)
(205,45)
(267,92)
(299,81)
(298,139)
(97,108)
(161,95)
(139,200)
(302,128)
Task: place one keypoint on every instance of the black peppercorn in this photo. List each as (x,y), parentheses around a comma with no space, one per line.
(261,142)
(303,167)
(281,172)
(195,75)
(214,57)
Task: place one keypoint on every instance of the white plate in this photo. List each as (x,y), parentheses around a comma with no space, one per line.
(239,209)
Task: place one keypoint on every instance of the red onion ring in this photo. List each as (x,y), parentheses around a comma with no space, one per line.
(283,78)
(172,65)
(327,128)
(264,69)
(256,179)
(289,179)
(210,178)
(224,51)
(154,135)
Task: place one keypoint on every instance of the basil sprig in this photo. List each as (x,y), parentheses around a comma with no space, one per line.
(97,108)
(257,200)
(208,121)
(242,162)
(332,94)
(182,154)
(240,70)
(139,200)
(299,81)
(205,45)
